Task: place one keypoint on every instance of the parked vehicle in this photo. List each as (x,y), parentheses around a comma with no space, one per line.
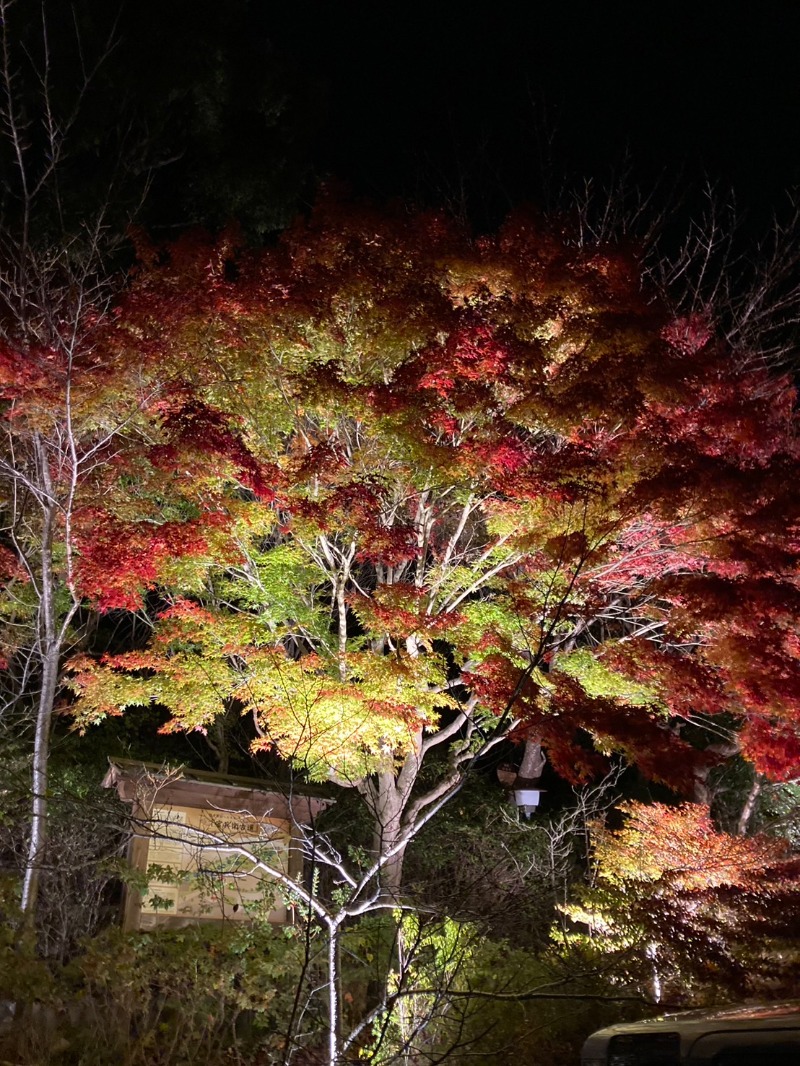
(749,1035)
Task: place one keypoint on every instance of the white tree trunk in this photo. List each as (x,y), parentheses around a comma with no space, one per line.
(48,645)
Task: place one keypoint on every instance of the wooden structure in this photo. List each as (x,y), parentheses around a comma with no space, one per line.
(188,828)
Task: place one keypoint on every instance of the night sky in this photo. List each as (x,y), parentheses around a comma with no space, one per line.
(242,106)
(454,89)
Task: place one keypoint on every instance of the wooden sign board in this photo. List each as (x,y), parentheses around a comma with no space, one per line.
(197,873)
(209,846)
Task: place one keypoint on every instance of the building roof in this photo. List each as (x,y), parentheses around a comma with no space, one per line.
(149,784)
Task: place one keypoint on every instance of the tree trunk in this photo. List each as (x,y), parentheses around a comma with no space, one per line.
(749,807)
(387,796)
(39,779)
(533,763)
(334,1007)
(48,646)
(217,739)
(388,804)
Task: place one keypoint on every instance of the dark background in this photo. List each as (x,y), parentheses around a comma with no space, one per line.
(702,85)
(238,108)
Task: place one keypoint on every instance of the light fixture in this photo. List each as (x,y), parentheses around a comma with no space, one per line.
(526,800)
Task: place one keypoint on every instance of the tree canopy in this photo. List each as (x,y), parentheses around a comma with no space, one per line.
(465,488)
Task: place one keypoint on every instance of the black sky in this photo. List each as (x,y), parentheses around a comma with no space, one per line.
(703,86)
(252,101)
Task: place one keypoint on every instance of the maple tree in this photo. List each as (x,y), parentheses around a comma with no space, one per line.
(90,518)
(676,904)
(487,488)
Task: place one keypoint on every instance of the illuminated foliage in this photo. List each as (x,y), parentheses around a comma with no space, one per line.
(473,487)
(679,907)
